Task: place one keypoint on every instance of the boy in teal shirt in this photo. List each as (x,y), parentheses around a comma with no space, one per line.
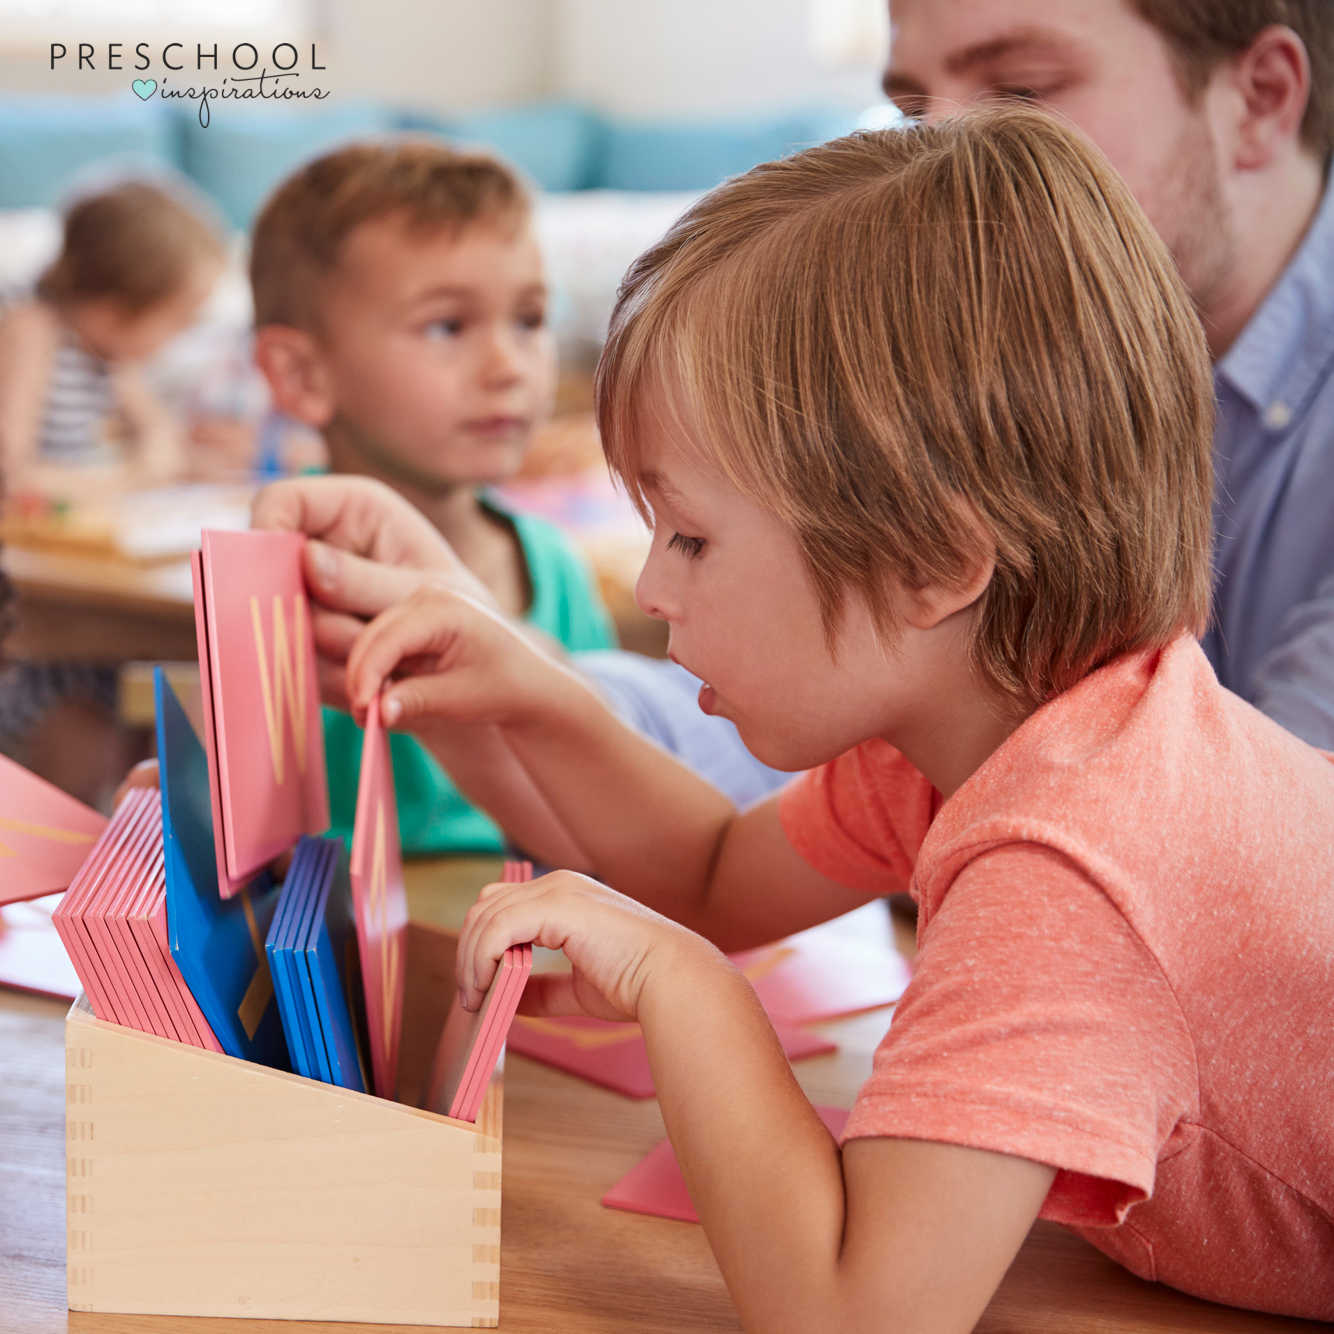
(400,310)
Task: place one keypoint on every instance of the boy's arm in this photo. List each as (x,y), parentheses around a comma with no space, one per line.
(884,1234)
(888,1234)
(28,336)
(157,446)
(645,823)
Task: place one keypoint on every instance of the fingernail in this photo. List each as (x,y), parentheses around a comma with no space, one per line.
(390,709)
(463,999)
(322,562)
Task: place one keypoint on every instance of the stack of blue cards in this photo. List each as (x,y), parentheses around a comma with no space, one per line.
(312,952)
(218,944)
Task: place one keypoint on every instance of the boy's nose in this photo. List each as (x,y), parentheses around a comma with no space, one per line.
(651,596)
(502,363)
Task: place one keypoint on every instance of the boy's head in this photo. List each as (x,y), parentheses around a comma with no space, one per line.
(137,262)
(400,308)
(923,348)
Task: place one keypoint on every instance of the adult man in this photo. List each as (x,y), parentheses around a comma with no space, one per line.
(1220,117)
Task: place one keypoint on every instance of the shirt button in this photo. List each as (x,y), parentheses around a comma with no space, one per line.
(1277,416)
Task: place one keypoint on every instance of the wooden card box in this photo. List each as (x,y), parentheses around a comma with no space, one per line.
(202,1185)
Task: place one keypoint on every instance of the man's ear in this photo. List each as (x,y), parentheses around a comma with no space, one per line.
(1272,80)
(294,366)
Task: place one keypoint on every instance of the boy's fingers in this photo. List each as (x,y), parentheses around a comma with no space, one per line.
(335,634)
(354,514)
(354,585)
(333,684)
(551,995)
(144,774)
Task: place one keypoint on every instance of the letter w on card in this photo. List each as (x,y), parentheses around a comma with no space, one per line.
(261,699)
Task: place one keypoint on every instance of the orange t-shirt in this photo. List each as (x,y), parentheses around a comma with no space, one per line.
(1125,970)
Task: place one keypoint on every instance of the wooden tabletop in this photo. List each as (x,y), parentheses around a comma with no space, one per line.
(567,1263)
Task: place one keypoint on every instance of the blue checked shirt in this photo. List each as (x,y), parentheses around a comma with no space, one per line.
(1272,637)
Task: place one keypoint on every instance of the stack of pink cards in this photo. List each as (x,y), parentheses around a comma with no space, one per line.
(113,922)
(379,902)
(471,1042)
(261,702)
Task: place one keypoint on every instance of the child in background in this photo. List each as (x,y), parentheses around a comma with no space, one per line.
(400,309)
(136,265)
(922,421)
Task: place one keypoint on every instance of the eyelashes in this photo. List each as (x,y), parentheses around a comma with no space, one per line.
(689,547)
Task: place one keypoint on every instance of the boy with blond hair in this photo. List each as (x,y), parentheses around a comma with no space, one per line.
(400,310)
(922,422)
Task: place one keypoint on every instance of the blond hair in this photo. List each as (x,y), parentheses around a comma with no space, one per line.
(913,345)
(136,243)
(300,232)
(1202,33)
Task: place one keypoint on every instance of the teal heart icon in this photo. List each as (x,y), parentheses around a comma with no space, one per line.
(144,88)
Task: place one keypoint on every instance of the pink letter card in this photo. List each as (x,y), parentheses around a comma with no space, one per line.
(261,700)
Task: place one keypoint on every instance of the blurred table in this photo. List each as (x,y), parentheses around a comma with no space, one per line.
(567,1263)
(77,607)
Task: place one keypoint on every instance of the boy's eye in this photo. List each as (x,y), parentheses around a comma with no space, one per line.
(687,546)
(533,319)
(443,329)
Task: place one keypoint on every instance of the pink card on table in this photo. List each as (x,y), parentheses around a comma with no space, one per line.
(839,968)
(655,1184)
(264,738)
(45,835)
(379,901)
(32,955)
(614,1055)
(471,1041)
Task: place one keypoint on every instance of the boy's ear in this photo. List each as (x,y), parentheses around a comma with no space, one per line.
(925,608)
(1272,81)
(299,380)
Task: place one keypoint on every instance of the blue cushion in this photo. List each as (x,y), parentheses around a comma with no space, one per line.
(554,143)
(686,155)
(47,143)
(244,152)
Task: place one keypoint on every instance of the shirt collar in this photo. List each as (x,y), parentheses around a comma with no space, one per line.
(1288,343)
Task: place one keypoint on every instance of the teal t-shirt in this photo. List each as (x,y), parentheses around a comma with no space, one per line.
(433,817)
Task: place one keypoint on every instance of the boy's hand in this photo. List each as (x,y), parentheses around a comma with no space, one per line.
(367,549)
(617,948)
(452,661)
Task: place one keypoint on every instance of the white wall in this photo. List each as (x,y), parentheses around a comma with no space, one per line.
(627,57)
(443,53)
(678,57)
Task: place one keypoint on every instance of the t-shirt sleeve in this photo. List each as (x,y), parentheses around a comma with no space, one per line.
(1037,1024)
(861,818)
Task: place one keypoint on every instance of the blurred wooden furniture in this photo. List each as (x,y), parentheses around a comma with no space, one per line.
(75,607)
(567,1263)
